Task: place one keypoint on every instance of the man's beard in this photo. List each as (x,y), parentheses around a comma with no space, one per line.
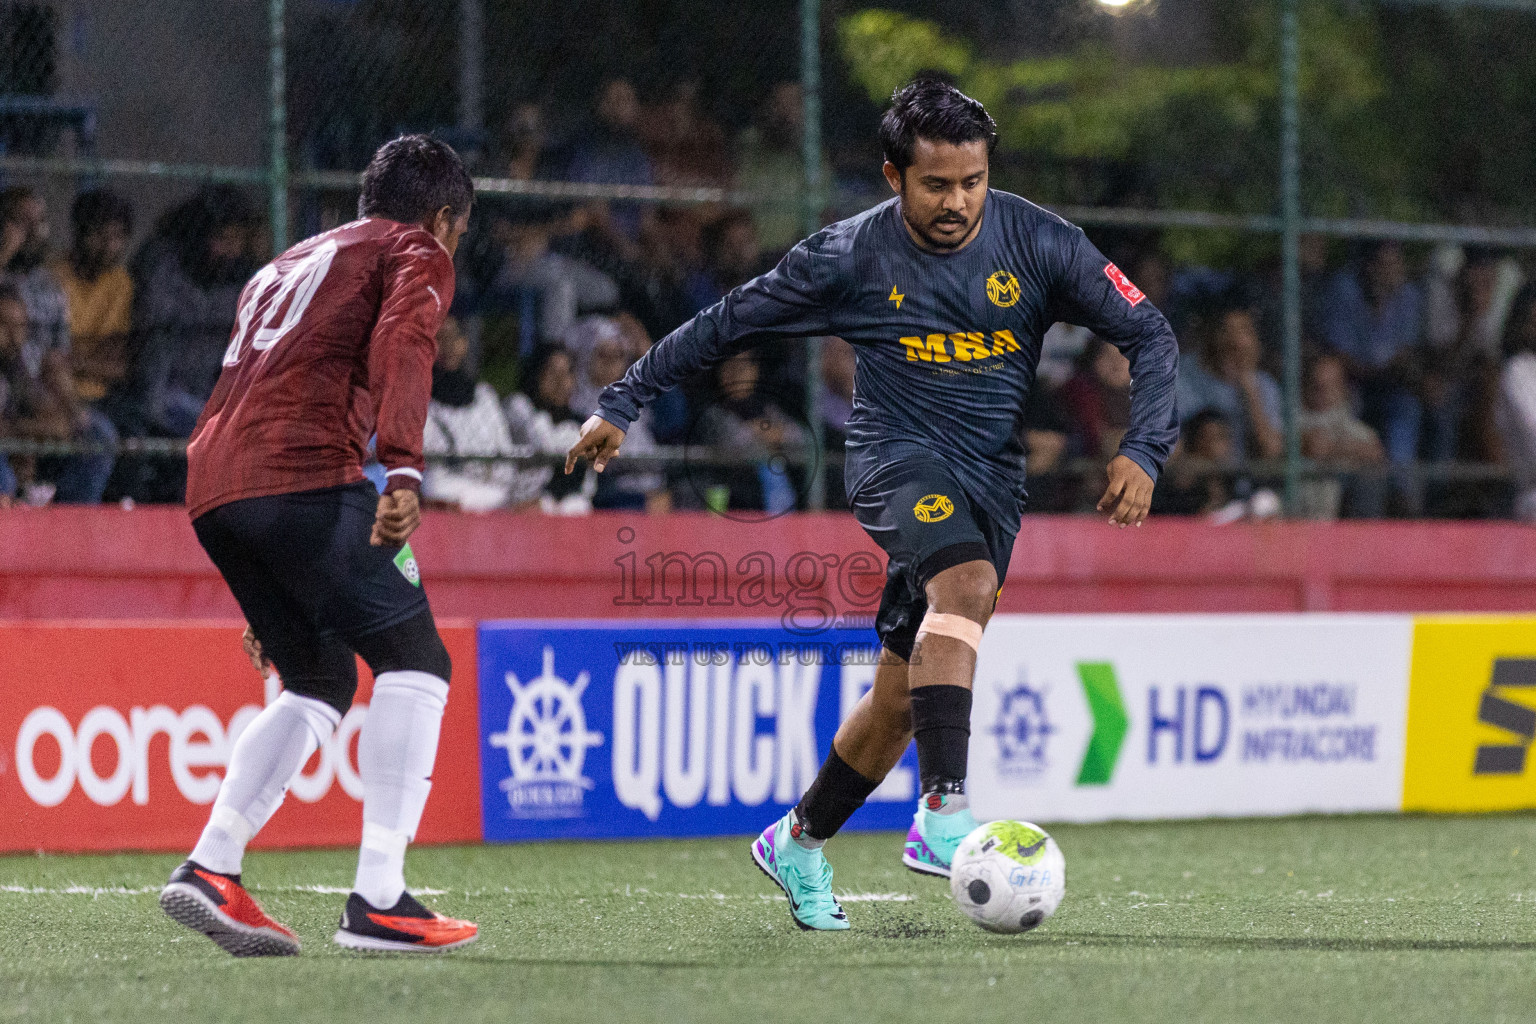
(926,232)
(944,243)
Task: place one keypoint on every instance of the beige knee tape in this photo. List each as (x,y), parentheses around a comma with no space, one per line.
(957,626)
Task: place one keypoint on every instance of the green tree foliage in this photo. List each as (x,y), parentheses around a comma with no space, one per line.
(1088,127)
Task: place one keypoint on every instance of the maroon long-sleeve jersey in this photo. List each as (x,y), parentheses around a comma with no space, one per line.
(334,342)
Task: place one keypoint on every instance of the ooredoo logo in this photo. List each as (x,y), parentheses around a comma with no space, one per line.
(107,753)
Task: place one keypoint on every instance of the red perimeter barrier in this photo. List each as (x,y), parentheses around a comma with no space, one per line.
(114,737)
(106,563)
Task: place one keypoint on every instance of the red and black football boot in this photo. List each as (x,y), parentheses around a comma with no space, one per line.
(406,927)
(219,907)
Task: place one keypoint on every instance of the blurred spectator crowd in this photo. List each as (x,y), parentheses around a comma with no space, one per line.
(1411,357)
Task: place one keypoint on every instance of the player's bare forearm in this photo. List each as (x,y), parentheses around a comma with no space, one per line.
(599,442)
(1129,495)
(398,515)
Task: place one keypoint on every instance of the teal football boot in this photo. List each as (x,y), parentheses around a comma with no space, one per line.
(933,838)
(804,875)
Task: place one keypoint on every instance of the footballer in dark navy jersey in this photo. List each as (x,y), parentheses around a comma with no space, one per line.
(945,292)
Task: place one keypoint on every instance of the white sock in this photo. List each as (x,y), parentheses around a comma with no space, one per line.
(804,839)
(268,754)
(395,754)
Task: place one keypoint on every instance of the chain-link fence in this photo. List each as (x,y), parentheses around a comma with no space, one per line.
(636,161)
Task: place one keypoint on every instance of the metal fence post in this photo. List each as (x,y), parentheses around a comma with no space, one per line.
(810,84)
(471,67)
(1290,245)
(278,167)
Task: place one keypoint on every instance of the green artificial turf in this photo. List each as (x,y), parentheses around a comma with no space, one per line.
(1309,919)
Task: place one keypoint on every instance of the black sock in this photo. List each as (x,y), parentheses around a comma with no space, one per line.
(941,722)
(835,794)
(222,874)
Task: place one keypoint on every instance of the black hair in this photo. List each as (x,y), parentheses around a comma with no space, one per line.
(1211,312)
(98,208)
(1372,248)
(12,198)
(1474,254)
(934,110)
(207,211)
(534,366)
(1089,355)
(712,237)
(10,293)
(936,75)
(188,227)
(411,178)
(1202,419)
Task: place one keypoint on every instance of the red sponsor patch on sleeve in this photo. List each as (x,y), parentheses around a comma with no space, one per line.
(1123,284)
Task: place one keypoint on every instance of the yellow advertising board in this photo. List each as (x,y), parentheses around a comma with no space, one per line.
(1471,714)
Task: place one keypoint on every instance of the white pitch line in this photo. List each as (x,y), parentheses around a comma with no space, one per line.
(146,890)
(845,897)
(337,890)
(342,890)
(875,897)
(79,890)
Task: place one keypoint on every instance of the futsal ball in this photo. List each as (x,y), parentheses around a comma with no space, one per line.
(1008,876)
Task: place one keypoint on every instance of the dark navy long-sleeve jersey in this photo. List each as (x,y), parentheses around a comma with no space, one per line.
(947,343)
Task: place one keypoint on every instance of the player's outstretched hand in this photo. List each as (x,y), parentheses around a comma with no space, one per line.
(599,442)
(1129,494)
(398,516)
(260,662)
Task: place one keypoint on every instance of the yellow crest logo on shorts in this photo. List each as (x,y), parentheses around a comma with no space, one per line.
(1003,289)
(933,507)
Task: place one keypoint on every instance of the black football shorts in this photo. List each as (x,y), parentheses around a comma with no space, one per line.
(314,590)
(917,512)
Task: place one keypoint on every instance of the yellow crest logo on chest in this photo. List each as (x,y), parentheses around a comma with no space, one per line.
(1003,289)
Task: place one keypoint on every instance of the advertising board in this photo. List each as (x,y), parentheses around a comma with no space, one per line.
(114,736)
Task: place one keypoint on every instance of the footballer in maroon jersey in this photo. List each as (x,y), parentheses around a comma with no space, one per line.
(333,344)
